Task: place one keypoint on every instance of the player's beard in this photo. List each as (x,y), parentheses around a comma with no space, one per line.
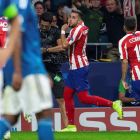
(73,26)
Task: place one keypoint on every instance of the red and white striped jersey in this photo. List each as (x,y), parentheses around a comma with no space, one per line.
(129,48)
(77,50)
(129,8)
(3,31)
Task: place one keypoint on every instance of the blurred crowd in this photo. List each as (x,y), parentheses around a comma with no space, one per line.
(104,18)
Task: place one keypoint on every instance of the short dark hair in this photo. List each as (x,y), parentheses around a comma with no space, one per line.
(47,17)
(80,14)
(130,23)
(41,3)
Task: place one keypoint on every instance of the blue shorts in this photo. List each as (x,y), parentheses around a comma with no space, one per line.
(77,79)
(136,89)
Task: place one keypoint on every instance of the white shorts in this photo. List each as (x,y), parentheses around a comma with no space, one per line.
(34,96)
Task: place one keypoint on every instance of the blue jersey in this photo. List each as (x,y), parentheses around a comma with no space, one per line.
(31,59)
(8,9)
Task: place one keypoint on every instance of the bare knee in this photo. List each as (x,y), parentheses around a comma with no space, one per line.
(61,101)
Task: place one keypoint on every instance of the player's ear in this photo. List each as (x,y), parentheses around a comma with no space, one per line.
(79,21)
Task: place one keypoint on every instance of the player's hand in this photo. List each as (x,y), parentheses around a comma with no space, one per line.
(65,27)
(126,86)
(17,81)
(4,55)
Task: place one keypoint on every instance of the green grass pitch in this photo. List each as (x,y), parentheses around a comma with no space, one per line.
(94,135)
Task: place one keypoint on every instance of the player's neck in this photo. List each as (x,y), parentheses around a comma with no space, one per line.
(130,32)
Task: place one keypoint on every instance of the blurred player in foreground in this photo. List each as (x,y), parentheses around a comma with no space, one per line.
(8,9)
(31,97)
(77,78)
(129,47)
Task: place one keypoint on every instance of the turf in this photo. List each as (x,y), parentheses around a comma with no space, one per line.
(94,135)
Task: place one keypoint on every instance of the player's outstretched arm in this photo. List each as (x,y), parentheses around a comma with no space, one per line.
(17,76)
(14,34)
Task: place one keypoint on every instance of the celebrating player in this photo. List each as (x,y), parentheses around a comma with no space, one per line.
(31,97)
(129,47)
(77,78)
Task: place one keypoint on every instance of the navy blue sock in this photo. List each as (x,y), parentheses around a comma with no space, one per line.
(45,129)
(5,125)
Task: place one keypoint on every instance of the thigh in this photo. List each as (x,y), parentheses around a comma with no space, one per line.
(79,79)
(58,86)
(35,94)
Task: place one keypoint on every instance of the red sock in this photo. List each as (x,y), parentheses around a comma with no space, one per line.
(70,113)
(102,102)
(70,109)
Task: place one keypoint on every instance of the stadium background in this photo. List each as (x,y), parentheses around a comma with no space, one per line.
(106,76)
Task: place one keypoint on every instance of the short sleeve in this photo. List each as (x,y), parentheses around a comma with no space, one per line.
(75,34)
(121,88)
(65,9)
(123,49)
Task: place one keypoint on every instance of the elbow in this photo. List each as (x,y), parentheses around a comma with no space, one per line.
(64,46)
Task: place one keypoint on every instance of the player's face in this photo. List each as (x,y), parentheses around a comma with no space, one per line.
(110,5)
(45,26)
(74,19)
(96,3)
(39,9)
